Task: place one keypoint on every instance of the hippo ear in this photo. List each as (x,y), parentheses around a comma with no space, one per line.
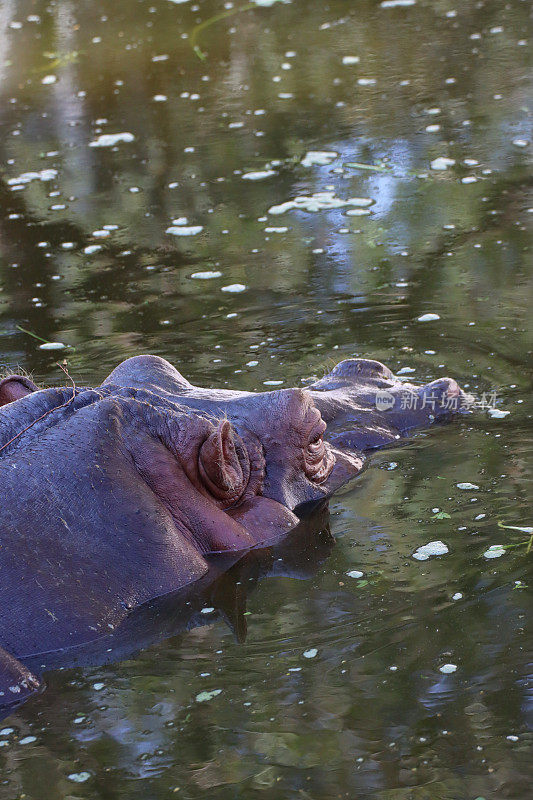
(15,387)
(224,464)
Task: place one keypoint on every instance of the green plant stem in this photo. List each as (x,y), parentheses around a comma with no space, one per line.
(193,41)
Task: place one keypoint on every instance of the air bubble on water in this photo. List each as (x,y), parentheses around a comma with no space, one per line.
(432,128)
(366,81)
(355,573)
(467,486)
(282,229)
(160,98)
(49,79)
(92,248)
(349,60)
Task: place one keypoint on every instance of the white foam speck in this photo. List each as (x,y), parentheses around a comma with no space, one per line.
(320,201)
(110,139)
(319,158)
(397,3)
(442,163)
(494,551)
(467,486)
(497,413)
(311,653)
(27,177)
(92,248)
(184,230)
(206,276)
(79,777)
(428,318)
(349,60)
(436,548)
(354,573)
(234,288)
(52,346)
(447,669)
(260,175)
(457,596)
(49,79)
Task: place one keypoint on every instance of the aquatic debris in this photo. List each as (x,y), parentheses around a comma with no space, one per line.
(46,345)
(354,573)
(207,275)
(184,230)
(497,413)
(234,288)
(495,551)
(203,697)
(467,486)
(320,201)
(428,318)
(52,346)
(442,163)
(311,653)
(28,177)
(193,38)
(79,777)
(457,596)
(259,175)
(436,548)
(522,529)
(319,158)
(372,167)
(447,669)
(111,139)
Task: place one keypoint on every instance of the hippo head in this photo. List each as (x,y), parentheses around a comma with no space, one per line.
(314,439)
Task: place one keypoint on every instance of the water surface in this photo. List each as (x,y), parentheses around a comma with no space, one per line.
(145,206)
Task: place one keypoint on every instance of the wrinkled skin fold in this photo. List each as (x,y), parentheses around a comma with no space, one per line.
(114,496)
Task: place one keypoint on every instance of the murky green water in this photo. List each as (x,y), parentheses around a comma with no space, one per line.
(336,690)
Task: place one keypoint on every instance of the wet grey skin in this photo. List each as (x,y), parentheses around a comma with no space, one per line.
(116,495)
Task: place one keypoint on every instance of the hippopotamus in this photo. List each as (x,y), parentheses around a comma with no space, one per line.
(117,495)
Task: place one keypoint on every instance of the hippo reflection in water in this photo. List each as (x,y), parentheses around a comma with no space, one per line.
(115,496)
